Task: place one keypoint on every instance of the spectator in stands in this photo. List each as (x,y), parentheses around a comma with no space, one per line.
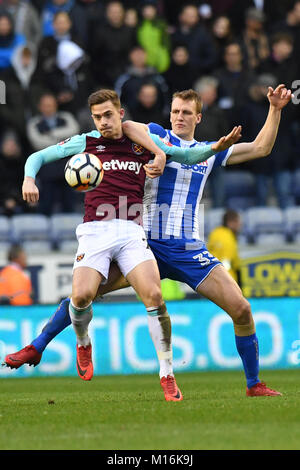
(277,167)
(148,108)
(9,40)
(48,128)
(86,15)
(15,284)
(180,75)
(198,41)
(273,10)
(153,36)
(222,35)
(110,46)
(50,10)
(12,166)
(223,244)
(213,124)
(291,24)
(63,66)
(281,63)
(131,18)
(234,80)
(47,52)
(26,20)
(136,75)
(22,88)
(254,39)
(73,78)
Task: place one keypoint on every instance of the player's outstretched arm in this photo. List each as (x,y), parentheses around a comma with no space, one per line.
(192,155)
(36,160)
(264,141)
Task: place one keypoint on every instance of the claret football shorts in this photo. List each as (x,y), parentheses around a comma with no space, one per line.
(101,242)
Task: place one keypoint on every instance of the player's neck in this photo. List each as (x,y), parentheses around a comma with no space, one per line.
(185,137)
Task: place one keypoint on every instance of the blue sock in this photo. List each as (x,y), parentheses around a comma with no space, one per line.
(247,347)
(57,323)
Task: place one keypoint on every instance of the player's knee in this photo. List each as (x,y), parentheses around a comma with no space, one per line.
(243,314)
(82,298)
(155,296)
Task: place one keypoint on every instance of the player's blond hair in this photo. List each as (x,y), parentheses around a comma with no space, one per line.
(101,96)
(190,95)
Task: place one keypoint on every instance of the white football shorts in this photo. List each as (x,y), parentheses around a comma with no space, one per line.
(101,242)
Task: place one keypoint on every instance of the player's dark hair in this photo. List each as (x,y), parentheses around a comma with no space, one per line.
(229,215)
(101,96)
(14,252)
(189,95)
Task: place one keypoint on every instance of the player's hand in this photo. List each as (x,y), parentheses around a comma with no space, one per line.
(226,141)
(156,168)
(279,97)
(30,191)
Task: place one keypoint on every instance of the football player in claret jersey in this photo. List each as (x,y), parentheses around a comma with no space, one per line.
(174,238)
(110,230)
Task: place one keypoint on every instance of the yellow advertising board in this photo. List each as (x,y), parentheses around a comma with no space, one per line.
(271,275)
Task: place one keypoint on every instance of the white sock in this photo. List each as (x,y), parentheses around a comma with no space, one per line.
(81,318)
(159,324)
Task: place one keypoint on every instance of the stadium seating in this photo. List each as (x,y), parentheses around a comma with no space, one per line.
(63,228)
(239,184)
(263,220)
(270,239)
(212,219)
(292,223)
(240,203)
(5,229)
(37,247)
(39,234)
(296,185)
(29,227)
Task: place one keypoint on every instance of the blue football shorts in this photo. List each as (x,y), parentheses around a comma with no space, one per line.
(189,263)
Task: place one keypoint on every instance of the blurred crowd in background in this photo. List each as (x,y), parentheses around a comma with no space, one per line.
(54,53)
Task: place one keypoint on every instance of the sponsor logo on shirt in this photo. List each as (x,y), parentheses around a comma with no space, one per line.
(198,167)
(122,165)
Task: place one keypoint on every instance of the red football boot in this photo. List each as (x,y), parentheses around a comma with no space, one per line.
(170,388)
(84,362)
(28,355)
(261,390)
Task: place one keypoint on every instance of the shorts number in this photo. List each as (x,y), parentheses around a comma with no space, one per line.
(205,260)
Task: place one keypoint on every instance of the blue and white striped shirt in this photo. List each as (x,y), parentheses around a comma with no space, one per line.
(172,201)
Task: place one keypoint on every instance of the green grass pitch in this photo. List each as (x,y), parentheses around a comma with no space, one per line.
(129,412)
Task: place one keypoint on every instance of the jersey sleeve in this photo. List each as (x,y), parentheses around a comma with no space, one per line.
(157,130)
(63,149)
(222,157)
(188,155)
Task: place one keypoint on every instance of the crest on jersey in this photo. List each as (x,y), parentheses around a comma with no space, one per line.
(64,141)
(80,257)
(138,149)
